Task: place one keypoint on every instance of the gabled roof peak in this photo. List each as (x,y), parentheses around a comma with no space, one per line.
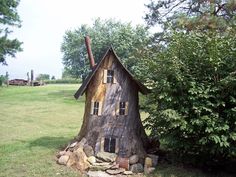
(143,89)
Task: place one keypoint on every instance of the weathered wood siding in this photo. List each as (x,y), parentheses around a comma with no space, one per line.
(127,129)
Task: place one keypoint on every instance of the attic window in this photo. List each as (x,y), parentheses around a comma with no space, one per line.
(108,76)
(96,108)
(110,145)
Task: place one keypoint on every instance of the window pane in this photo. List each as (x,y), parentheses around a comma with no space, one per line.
(95,108)
(110,74)
(106,145)
(122,104)
(95,111)
(122,108)
(96,104)
(109,79)
(112,145)
(122,112)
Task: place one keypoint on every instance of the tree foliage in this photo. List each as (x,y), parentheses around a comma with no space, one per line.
(128,41)
(192,72)
(2,79)
(193,103)
(8,18)
(42,77)
(192,14)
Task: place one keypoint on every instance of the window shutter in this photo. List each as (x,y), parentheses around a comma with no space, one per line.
(114,78)
(126,108)
(118,108)
(100,109)
(102,144)
(105,76)
(92,106)
(117,145)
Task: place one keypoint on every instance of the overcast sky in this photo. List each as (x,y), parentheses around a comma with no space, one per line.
(44,23)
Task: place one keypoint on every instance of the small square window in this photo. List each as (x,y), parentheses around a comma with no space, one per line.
(122,108)
(95,108)
(109,76)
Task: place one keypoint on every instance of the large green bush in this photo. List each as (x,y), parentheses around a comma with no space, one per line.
(193,103)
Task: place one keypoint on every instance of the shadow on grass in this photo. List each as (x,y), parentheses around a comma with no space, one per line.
(50,142)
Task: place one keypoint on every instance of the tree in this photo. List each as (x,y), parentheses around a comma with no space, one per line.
(8,18)
(128,41)
(53,78)
(193,103)
(192,75)
(43,77)
(188,15)
(66,74)
(191,13)
(2,79)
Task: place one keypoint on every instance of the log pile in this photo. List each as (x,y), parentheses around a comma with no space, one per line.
(81,156)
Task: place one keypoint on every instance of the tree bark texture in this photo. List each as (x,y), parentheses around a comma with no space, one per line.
(126,129)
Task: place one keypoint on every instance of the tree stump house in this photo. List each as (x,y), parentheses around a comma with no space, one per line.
(111,121)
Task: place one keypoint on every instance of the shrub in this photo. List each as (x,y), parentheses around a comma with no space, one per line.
(193,103)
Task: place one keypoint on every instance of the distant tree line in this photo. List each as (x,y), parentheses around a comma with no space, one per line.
(43,77)
(63,81)
(66,79)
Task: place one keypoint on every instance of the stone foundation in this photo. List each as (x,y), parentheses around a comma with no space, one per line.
(81,156)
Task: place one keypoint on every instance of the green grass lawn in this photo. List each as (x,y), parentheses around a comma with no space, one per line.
(35,122)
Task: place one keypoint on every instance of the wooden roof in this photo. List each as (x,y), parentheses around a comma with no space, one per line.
(142,88)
